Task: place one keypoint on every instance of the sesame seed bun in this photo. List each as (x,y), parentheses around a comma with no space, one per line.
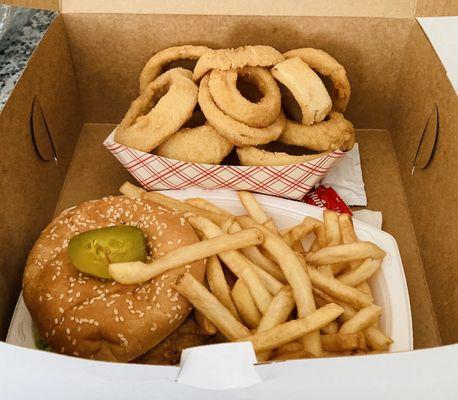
(84,316)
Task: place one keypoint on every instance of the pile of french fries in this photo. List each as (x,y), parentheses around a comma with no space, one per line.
(287,301)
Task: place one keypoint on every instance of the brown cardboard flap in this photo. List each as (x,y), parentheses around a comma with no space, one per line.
(110,57)
(348,8)
(427,8)
(30,185)
(432,191)
(44,4)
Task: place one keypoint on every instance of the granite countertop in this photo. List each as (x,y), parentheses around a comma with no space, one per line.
(26,27)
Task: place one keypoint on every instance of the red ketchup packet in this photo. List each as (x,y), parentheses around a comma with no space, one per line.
(326,197)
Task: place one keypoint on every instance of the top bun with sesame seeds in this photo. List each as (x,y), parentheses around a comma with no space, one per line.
(85,316)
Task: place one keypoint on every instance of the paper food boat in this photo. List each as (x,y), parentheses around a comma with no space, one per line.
(160,173)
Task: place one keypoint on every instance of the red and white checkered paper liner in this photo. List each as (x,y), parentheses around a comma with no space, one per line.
(160,173)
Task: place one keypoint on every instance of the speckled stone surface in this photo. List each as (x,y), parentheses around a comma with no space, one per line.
(17,47)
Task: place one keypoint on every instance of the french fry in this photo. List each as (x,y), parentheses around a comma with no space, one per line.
(348,235)
(364,287)
(345,253)
(365,352)
(278,312)
(294,273)
(362,320)
(338,268)
(300,231)
(333,327)
(360,274)
(297,247)
(237,263)
(343,342)
(315,246)
(273,285)
(331,225)
(322,298)
(218,284)
(376,339)
(340,291)
(288,347)
(269,224)
(245,304)
(295,329)
(200,297)
(207,205)
(205,324)
(256,257)
(293,355)
(252,207)
(131,190)
(325,270)
(136,272)
(333,236)
(330,354)
(174,204)
(294,235)
(346,229)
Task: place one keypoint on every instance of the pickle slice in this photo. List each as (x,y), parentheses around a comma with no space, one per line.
(91,252)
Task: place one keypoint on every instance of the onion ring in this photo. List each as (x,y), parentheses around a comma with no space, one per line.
(328,66)
(202,144)
(156,63)
(332,134)
(223,88)
(224,59)
(252,156)
(143,128)
(306,87)
(236,132)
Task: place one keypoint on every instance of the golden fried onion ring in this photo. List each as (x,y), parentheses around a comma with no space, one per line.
(224,59)
(223,88)
(258,157)
(143,128)
(328,66)
(202,144)
(306,87)
(236,132)
(156,63)
(332,134)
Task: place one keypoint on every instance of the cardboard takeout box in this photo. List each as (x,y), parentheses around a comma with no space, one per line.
(83,76)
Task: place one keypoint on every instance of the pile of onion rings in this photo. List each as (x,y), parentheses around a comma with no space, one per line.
(243,94)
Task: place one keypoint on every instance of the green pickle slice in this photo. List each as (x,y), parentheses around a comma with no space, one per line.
(91,252)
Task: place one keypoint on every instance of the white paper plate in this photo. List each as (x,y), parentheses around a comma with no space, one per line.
(388,285)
